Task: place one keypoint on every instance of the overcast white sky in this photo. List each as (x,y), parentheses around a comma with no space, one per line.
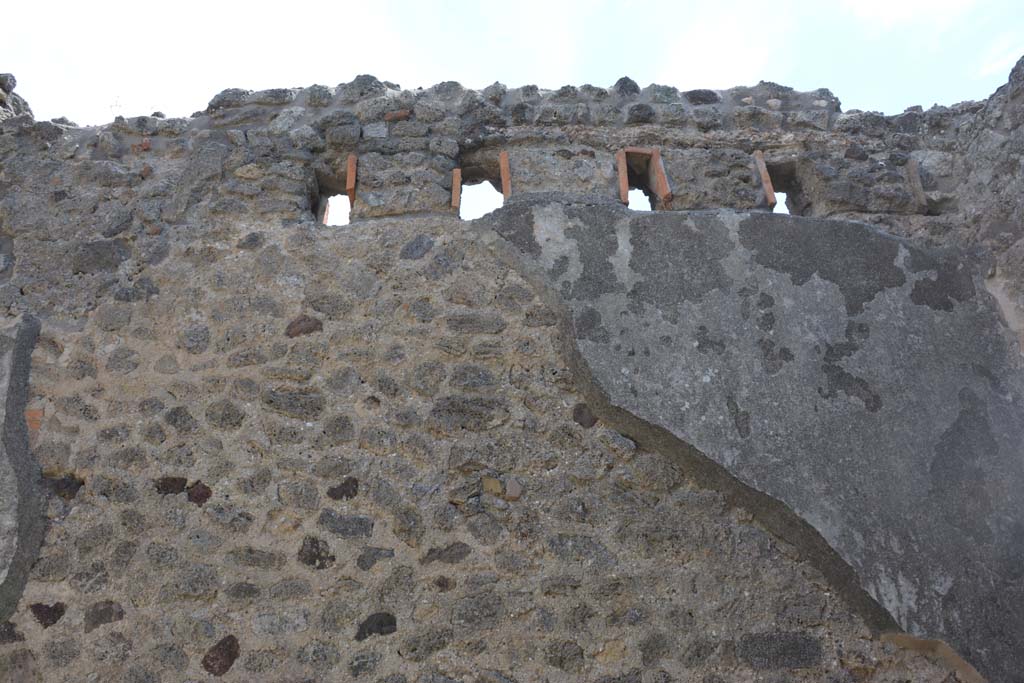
(90,61)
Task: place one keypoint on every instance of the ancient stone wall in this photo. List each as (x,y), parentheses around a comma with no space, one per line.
(274,450)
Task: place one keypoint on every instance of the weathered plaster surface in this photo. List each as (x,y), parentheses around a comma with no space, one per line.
(869,385)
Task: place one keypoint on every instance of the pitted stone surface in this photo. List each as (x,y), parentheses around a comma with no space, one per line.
(796,354)
(510,535)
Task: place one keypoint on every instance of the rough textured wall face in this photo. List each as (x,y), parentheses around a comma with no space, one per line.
(409,486)
(274,450)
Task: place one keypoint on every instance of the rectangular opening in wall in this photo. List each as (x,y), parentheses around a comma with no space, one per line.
(642,174)
(335,191)
(480,177)
(789,195)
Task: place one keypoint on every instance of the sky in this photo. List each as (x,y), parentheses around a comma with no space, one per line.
(92,61)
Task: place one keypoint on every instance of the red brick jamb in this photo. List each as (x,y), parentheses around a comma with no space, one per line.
(350,179)
(506,175)
(766,179)
(456,188)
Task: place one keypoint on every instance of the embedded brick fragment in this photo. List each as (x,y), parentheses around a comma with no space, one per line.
(302,325)
(219,659)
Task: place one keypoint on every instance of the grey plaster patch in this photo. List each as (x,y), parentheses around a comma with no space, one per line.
(861,261)
(848,375)
(21,521)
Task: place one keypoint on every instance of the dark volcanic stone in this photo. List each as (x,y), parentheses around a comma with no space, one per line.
(363,663)
(254,240)
(219,658)
(856,152)
(474,413)
(581,415)
(640,113)
(377,624)
(103,612)
(779,650)
(316,553)
(626,87)
(478,611)
(195,338)
(371,556)
(199,493)
(243,590)
(170,485)
(450,554)
(302,403)
(338,430)
(123,360)
(224,414)
(416,248)
(65,486)
(469,376)
(346,526)
(304,324)
(702,97)
(333,306)
(348,488)
(48,615)
(182,420)
(319,655)
(476,323)
(419,647)
(8,634)
(566,655)
(248,556)
(580,548)
(100,256)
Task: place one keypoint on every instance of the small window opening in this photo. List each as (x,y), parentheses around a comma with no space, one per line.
(780,203)
(642,182)
(336,211)
(789,195)
(480,185)
(639,201)
(332,198)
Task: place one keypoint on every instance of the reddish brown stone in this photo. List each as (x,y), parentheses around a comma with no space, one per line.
(199,493)
(102,612)
(167,486)
(399,115)
(581,415)
(64,485)
(48,615)
(9,634)
(220,657)
(304,324)
(348,488)
(34,419)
